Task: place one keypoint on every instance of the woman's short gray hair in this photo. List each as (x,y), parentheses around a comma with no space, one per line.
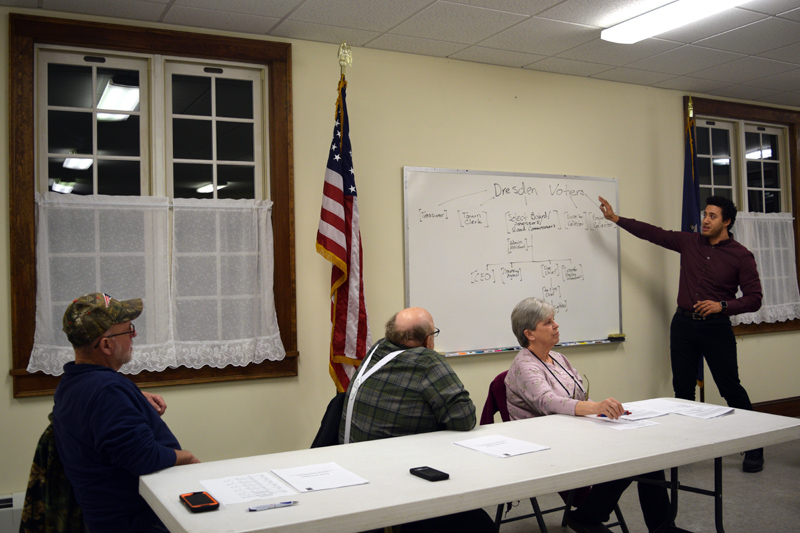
(527,314)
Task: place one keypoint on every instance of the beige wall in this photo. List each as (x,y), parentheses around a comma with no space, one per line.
(422,111)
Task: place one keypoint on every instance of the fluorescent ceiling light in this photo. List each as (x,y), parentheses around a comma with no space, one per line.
(117,97)
(77,163)
(665,18)
(205,189)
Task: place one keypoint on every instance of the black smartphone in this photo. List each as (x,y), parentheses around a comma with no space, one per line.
(431,474)
(198,502)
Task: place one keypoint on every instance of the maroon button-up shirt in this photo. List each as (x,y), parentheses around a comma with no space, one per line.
(707,272)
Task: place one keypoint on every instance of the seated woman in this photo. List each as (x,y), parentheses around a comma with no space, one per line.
(542,382)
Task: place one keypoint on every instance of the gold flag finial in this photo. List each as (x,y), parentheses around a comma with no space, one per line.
(345,56)
(691,108)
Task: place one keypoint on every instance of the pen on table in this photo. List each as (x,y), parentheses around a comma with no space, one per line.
(623,414)
(272,506)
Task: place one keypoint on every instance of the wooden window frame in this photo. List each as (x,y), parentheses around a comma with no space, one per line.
(785,117)
(27,31)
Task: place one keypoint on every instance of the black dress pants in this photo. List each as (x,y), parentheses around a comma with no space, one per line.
(713,339)
(603,497)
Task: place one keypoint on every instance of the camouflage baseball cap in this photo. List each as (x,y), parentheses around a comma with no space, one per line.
(89,316)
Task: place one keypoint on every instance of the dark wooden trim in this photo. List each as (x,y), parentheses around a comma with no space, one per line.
(784,407)
(24,33)
(785,117)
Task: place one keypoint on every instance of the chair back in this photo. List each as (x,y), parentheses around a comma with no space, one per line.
(328,434)
(496,401)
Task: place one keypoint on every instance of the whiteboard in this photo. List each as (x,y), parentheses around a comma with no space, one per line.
(477,243)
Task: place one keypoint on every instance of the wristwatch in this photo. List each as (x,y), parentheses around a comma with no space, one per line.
(724,306)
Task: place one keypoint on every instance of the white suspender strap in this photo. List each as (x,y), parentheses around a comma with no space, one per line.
(360,377)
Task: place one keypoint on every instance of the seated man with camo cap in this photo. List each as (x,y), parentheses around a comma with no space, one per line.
(108,433)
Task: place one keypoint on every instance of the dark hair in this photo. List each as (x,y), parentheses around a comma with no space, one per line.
(727,206)
(417,332)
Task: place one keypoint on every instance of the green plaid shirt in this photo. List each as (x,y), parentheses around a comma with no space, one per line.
(416,392)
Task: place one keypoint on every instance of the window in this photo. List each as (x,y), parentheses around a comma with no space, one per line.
(770,183)
(25,33)
(744,162)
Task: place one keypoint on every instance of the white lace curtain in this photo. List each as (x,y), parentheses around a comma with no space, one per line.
(217,309)
(770,237)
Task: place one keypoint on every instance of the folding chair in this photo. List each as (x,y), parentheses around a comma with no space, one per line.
(496,402)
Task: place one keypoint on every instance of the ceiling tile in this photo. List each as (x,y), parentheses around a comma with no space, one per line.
(568,66)
(708,27)
(792,99)
(273,8)
(415,45)
(543,37)
(791,15)
(601,14)
(493,56)
(293,29)
(785,81)
(372,15)
(788,54)
(743,70)
(31,4)
(629,75)
(756,38)
(525,7)
(743,92)
(133,9)
(685,60)
(600,51)
(457,23)
(771,7)
(692,85)
(206,18)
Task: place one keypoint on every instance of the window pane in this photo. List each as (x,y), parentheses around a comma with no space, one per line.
(117,89)
(771,150)
(772,175)
(720,143)
(755,201)
(705,192)
(188,177)
(704,170)
(118,137)
(80,180)
(772,201)
(752,148)
(234,98)
(234,141)
(754,174)
(69,132)
(191,139)
(69,86)
(725,193)
(120,178)
(703,146)
(722,172)
(239,180)
(191,95)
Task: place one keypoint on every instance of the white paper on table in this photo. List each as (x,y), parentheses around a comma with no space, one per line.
(621,424)
(640,411)
(238,489)
(499,446)
(319,477)
(695,410)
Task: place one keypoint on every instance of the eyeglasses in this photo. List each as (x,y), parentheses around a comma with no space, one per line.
(435,333)
(131,332)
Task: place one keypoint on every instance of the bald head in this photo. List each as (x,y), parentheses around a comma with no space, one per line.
(411,327)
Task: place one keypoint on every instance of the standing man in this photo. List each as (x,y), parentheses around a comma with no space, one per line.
(404,387)
(713,267)
(107,432)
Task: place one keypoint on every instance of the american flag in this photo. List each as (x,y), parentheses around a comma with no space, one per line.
(339,241)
